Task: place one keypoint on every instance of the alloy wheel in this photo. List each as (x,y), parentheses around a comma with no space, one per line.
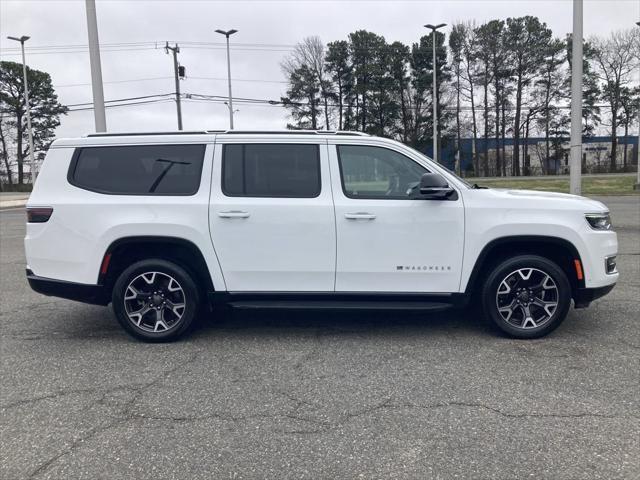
(154,302)
(527,298)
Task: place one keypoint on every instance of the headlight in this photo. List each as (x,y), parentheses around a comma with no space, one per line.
(599,221)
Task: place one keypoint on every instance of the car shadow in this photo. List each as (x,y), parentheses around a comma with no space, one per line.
(409,322)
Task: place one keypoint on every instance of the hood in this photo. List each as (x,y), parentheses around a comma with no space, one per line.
(557,199)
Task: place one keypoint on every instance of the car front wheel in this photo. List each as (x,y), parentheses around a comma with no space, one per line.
(527,296)
(155,300)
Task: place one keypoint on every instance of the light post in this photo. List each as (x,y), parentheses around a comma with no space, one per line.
(23,39)
(435,89)
(227,34)
(575,167)
(637,184)
(96,67)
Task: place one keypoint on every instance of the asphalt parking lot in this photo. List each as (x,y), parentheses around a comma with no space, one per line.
(317,394)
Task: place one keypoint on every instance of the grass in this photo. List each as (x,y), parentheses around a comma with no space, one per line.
(614,185)
(618,185)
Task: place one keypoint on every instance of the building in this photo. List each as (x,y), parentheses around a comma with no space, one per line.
(596,153)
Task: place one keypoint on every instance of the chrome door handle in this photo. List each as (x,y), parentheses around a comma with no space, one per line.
(359,216)
(234,214)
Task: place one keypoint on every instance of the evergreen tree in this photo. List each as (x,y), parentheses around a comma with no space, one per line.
(43,105)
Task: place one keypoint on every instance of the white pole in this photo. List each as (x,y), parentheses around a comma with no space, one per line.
(229,79)
(637,185)
(575,168)
(435,100)
(96,68)
(27,108)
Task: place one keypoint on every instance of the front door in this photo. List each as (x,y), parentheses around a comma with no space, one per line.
(271,217)
(390,239)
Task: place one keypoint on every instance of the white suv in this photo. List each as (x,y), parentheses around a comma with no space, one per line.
(163,224)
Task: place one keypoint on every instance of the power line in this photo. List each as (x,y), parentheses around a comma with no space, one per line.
(156,45)
(201,98)
(144,102)
(153,43)
(124,99)
(256,80)
(113,81)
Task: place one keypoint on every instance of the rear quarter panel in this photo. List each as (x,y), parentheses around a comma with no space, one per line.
(71,245)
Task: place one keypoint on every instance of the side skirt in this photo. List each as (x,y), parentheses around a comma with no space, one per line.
(340,301)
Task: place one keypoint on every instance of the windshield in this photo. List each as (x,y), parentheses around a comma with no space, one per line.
(460,179)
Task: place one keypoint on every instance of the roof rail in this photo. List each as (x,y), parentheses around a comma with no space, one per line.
(144,134)
(235,132)
(295,132)
(348,132)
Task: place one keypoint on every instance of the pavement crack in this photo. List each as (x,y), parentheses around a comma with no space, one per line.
(502,413)
(75,444)
(125,416)
(64,393)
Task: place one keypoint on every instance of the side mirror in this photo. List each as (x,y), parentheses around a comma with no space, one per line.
(433,186)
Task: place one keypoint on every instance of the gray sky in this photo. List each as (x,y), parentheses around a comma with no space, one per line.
(276,24)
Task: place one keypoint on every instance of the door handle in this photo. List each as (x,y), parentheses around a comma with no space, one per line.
(359,216)
(234,214)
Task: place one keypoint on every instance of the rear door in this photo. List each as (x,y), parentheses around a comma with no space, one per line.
(271,215)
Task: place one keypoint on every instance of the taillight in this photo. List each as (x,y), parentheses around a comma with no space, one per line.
(38,214)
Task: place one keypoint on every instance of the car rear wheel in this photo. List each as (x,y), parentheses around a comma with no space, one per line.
(527,296)
(155,300)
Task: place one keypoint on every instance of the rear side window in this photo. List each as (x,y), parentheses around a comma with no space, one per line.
(271,170)
(138,169)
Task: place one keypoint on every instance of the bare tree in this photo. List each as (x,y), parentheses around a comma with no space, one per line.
(616,58)
(310,54)
(469,74)
(456,44)
(4,153)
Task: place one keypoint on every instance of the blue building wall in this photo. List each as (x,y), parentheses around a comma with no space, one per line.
(448,149)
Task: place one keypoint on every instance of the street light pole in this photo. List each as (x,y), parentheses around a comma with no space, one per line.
(27,108)
(175,50)
(227,34)
(575,168)
(96,67)
(435,89)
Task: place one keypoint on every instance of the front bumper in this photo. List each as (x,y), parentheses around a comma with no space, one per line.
(584,296)
(80,292)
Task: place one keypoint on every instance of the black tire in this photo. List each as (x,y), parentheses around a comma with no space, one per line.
(173,284)
(507,297)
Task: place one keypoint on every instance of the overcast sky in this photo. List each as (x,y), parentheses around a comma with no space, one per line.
(267,31)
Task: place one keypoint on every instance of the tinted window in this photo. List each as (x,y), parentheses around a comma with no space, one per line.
(139,169)
(376,172)
(271,170)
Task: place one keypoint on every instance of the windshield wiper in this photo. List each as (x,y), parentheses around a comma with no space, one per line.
(475,186)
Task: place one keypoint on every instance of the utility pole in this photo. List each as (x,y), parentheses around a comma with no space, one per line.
(96,68)
(27,108)
(175,50)
(435,89)
(228,34)
(575,168)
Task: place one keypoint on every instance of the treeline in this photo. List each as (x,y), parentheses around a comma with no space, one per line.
(504,79)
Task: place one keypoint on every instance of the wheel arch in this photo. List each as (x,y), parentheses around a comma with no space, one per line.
(556,249)
(124,251)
